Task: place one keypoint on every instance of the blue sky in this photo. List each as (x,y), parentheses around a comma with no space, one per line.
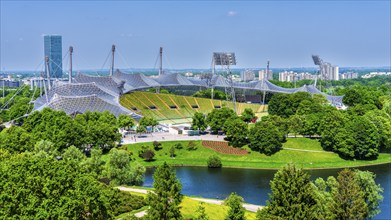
(345,33)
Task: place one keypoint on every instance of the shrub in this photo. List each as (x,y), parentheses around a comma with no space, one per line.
(157,146)
(148,155)
(192,146)
(128,203)
(214,162)
(172,151)
(141,152)
(178,146)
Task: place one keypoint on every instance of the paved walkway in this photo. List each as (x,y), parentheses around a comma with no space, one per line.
(131,139)
(248,207)
(315,151)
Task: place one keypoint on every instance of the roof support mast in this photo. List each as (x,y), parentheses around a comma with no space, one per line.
(161,61)
(112,60)
(70,64)
(47,72)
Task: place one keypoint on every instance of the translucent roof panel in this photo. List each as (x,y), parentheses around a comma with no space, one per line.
(76,89)
(136,80)
(81,104)
(106,83)
(219,81)
(174,79)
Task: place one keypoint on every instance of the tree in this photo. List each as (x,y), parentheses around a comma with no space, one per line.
(16,139)
(353,96)
(148,155)
(164,201)
(141,129)
(200,212)
(138,173)
(35,187)
(280,105)
(217,117)
(293,196)
(147,121)
(311,124)
(265,138)
(236,210)
(214,162)
(247,115)
(191,146)
(125,121)
(359,139)
(172,151)
(348,198)
(382,122)
(236,131)
(156,145)
(372,192)
(47,147)
(94,164)
(72,153)
(285,105)
(295,124)
(198,122)
(280,123)
(119,169)
(308,107)
(330,125)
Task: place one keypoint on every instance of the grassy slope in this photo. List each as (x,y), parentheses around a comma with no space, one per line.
(255,159)
(189,206)
(213,211)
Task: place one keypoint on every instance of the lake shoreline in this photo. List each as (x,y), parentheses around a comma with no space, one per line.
(263,168)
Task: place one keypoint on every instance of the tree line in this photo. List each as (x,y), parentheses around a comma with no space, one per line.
(360,132)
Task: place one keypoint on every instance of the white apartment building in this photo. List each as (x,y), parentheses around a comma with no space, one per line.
(262,74)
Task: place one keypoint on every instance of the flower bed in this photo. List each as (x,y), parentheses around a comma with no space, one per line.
(223,147)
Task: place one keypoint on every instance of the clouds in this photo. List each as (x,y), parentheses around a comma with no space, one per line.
(232,13)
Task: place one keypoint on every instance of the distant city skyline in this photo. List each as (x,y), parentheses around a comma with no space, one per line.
(345,33)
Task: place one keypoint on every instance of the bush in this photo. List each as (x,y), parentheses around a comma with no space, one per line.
(172,151)
(157,146)
(128,203)
(141,152)
(214,162)
(178,146)
(192,146)
(148,155)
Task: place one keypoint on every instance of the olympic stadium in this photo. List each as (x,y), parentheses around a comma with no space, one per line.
(102,93)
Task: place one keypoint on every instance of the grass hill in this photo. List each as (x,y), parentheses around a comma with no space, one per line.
(174,109)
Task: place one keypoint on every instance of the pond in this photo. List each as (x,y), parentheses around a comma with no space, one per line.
(253,185)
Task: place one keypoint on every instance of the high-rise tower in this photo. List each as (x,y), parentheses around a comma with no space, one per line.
(53,50)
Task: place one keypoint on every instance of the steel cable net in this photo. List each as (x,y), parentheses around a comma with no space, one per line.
(106,83)
(82,104)
(75,90)
(174,79)
(93,93)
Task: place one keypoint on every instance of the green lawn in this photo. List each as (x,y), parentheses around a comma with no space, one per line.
(213,211)
(254,159)
(188,208)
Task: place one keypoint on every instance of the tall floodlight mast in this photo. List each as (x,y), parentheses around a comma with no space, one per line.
(225,60)
(161,61)
(70,63)
(112,60)
(264,85)
(318,62)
